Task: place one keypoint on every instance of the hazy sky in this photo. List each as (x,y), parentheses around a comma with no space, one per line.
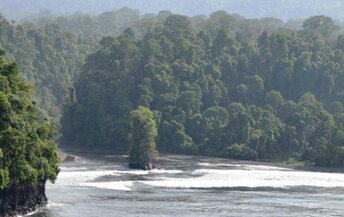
(283,9)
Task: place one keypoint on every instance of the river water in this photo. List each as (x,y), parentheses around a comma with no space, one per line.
(93,186)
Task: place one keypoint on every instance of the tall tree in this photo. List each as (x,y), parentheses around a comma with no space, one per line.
(143,132)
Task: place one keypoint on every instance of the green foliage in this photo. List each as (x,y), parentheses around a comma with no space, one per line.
(49,58)
(274,98)
(222,88)
(142,135)
(181,142)
(322,25)
(240,151)
(51,49)
(28,153)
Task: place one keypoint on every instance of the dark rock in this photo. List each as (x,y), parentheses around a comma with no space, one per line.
(142,165)
(22,199)
(69,158)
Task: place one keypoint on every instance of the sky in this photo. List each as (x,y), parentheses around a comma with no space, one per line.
(282,9)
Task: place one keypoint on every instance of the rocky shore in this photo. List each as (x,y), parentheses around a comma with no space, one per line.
(22,199)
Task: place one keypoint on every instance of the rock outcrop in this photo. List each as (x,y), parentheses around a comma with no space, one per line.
(142,165)
(22,199)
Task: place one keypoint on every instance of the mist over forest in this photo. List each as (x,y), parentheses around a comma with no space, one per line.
(282,9)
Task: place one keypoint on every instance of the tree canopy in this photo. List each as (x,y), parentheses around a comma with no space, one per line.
(142,135)
(28,153)
(275,96)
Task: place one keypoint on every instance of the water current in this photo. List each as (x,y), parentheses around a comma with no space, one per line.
(102,185)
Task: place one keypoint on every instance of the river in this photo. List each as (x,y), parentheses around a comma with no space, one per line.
(102,185)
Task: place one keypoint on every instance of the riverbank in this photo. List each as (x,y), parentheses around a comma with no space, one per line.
(185,159)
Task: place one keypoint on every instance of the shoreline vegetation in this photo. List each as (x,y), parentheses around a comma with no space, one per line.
(28,153)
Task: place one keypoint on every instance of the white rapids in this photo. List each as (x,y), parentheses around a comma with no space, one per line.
(249,176)
(185,187)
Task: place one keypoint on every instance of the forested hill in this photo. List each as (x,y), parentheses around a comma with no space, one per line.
(276,96)
(50,50)
(220,85)
(282,9)
(49,58)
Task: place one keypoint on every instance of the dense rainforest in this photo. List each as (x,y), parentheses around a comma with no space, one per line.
(28,154)
(48,57)
(215,92)
(50,50)
(221,85)
(27,149)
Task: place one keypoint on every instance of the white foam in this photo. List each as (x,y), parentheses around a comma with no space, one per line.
(30,213)
(211,178)
(62,169)
(241,175)
(244,166)
(70,177)
(50,204)
(77,177)
(37,210)
(261,167)
(206,164)
(119,185)
(146,172)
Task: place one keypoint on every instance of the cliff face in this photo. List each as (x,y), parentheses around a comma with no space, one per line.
(22,199)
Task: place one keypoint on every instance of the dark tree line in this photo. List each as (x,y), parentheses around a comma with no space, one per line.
(275,96)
